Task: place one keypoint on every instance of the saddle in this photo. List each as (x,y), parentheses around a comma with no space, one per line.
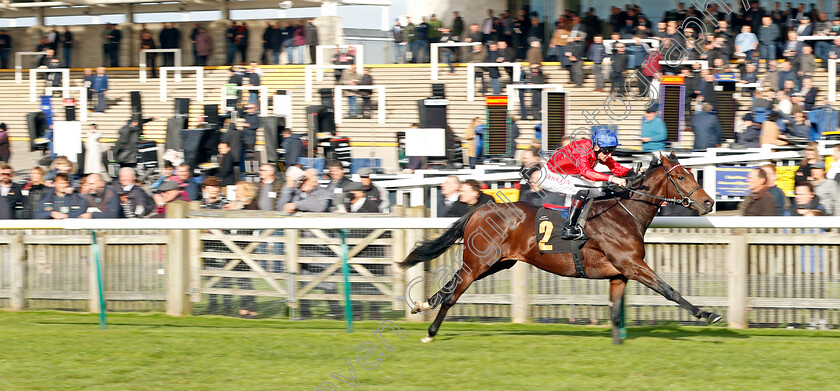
(550,218)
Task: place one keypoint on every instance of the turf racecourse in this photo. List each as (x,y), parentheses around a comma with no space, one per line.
(65,351)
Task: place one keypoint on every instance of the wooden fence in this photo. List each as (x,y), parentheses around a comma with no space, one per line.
(760,277)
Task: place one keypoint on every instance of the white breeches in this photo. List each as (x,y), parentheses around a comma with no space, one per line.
(566,184)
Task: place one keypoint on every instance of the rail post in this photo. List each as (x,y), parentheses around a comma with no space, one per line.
(738,279)
(17,250)
(397,255)
(194,249)
(414,276)
(94,275)
(292,269)
(177,276)
(520,311)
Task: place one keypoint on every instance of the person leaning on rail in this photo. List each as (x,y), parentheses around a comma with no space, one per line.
(760,202)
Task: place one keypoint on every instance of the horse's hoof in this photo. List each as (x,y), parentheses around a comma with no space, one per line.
(713,318)
(426,339)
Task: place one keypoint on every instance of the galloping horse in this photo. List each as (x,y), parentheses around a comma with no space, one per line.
(615,250)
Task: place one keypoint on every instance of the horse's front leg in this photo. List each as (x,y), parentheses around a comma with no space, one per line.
(638,270)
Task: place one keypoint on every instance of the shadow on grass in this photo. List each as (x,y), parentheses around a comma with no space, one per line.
(672,332)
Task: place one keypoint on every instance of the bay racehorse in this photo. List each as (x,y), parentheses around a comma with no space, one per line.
(615,250)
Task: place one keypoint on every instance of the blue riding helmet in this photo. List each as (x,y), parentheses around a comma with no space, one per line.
(605,136)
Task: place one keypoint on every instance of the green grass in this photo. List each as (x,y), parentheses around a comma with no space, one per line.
(61,351)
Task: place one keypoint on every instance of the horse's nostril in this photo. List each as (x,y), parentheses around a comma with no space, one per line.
(708,202)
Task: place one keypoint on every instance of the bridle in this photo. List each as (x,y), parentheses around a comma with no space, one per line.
(684,200)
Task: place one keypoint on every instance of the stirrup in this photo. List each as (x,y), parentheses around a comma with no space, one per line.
(572,233)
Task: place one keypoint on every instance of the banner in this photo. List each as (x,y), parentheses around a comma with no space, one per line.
(732,181)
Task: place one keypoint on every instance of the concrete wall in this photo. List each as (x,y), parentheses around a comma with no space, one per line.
(88,39)
(471,12)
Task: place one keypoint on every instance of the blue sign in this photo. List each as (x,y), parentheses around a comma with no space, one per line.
(726,77)
(732,181)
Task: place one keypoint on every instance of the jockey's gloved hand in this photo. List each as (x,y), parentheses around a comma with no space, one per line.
(618,181)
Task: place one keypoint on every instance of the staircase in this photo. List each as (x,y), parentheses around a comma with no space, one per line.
(405,85)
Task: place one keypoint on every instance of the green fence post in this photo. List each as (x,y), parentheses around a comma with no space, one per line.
(103,324)
(345,267)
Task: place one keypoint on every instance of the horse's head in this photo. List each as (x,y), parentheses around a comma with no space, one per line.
(682,185)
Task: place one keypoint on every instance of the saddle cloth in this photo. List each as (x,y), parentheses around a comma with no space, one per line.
(549,222)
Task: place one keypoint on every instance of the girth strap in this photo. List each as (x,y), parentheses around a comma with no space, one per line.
(576,245)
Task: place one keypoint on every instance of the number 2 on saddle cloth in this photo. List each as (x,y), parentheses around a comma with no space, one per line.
(548,238)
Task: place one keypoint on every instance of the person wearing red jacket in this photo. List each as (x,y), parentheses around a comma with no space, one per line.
(574,165)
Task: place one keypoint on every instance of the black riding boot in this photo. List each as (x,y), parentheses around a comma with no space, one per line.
(571,230)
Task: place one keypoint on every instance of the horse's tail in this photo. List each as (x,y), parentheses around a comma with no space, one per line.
(433,248)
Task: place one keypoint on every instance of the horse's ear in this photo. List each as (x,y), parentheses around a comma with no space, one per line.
(653,162)
(673,157)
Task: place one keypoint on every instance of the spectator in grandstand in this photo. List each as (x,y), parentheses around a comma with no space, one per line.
(134,201)
(770,132)
(805,203)
(246,194)
(779,197)
(338,185)
(471,196)
(398,37)
(351,78)
(299,40)
(267,36)
(410,38)
(473,137)
(311,38)
(227,166)
(792,50)
(270,187)
(34,189)
(531,75)
(421,41)
(477,55)
(449,194)
(5,150)
(241,40)
(63,165)
(493,72)
(166,193)
(706,129)
(575,51)
(103,201)
(203,46)
(800,128)
(230,40)
(506,54)
(12,197)
(367,95)
(188,184)
(62,202)
(169,38)
(99,85)
(358,202)
(5,48)
(654,132)
(457,28)
(834,170)
(597,52)
(617,66)
(807,62)
(746,43)
(768,34)
(111,46)
(310,197)
(250,127)
(760,201)
(805,27)
(827,190)
(146,42)
(372,191)
(749,136)
(67,44)
(213,197)
(293,148)
(803,173)
(535,55)
(809,93)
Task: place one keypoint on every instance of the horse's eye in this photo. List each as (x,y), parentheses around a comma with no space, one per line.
(681,177)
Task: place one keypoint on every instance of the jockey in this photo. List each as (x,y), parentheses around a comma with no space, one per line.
(573,165)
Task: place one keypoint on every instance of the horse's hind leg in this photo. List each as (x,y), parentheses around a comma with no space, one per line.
(449,295)
(643,273)
(617,286)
